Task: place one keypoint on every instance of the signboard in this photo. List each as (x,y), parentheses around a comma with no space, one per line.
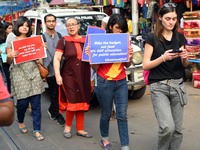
(108,48)
(90,30)
(29,49)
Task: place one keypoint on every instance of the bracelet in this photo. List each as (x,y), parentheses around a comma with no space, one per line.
(162,56)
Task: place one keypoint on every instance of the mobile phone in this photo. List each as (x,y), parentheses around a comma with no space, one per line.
(176,51)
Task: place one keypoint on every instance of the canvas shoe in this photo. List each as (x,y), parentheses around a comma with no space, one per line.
(60,120)
(106,146)
(51,116)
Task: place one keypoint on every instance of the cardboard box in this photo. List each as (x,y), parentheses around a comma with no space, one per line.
(196,75)
(196,84)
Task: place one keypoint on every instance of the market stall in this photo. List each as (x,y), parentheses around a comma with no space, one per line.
(192,34)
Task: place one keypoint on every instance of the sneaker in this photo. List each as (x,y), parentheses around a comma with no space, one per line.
(106,145)
(51,116)
(60,120)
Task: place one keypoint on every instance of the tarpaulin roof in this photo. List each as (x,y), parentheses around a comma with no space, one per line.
(60,2)
(7,7)
(57,2)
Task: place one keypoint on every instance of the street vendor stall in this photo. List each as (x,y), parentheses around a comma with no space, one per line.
(192,34)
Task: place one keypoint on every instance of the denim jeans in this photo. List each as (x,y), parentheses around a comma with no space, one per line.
(107,91)
(35,102)
(53,93)
(169,114)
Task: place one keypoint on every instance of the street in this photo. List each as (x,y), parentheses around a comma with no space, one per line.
(142,128)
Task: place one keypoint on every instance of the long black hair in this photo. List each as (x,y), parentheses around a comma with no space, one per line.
(6,25)
(2,33)
(117,19)
(20,22)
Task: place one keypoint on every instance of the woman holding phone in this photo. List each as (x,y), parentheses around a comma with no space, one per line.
(166,58)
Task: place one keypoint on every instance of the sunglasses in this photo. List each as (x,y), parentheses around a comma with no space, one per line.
(168,5)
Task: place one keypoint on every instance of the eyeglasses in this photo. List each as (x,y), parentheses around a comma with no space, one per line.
(71,25)
(49,21)
(167,5)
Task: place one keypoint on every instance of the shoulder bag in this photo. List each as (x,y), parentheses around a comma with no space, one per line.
(43,70)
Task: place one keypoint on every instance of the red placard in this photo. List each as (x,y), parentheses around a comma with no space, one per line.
(29,49)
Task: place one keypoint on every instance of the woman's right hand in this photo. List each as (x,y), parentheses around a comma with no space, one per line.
(12,54)
(59,80)
(168,55)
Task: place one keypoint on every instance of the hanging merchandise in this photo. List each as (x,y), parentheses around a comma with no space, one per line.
(191,25)
(116,3)
(151,9)
(120,3)
(144,10)
(152,13)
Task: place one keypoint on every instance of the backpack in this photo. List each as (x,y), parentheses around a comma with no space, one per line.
(63,57)
(45,40)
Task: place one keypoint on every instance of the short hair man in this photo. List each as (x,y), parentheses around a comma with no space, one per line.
(51,38)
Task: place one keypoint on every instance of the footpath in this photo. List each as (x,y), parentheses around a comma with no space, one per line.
(12,139)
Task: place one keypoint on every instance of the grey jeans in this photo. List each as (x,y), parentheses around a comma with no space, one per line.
(169,113)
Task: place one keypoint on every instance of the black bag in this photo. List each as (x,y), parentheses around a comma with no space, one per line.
(62,61)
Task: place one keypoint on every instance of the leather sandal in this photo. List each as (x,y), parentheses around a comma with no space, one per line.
(23,130)
(39,137)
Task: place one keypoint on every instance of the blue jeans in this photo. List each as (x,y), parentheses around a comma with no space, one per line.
(169,113)
(35,102)
(107,91)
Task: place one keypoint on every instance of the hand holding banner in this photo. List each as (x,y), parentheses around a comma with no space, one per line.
(108,48)
(90,30)
(29,49)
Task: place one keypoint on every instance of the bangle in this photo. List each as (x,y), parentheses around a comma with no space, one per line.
(162,56)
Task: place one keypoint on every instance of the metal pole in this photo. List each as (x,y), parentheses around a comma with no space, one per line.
(11,11)
(135,16)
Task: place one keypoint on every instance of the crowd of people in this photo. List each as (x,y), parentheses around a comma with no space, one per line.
(70,83)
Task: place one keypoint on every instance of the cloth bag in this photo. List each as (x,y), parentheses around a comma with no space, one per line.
(43,71)
(146,76)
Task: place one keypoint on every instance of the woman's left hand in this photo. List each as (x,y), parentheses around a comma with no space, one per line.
(184,53)
(45,45)
(87,50)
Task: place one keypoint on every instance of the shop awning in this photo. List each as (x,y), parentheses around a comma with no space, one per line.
(57,2)
(62,2)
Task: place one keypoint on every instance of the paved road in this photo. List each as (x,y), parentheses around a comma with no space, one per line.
(142,128)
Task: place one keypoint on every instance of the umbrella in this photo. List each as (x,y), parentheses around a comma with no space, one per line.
(8,6)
